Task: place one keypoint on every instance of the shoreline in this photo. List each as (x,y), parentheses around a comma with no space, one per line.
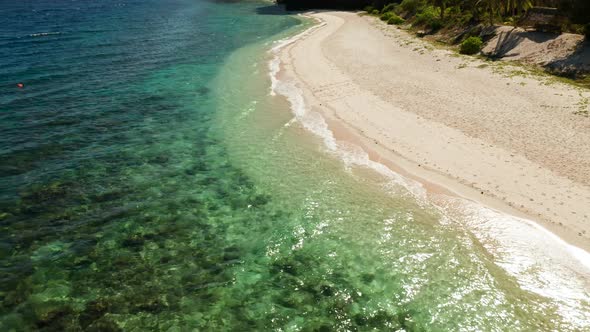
(333,90)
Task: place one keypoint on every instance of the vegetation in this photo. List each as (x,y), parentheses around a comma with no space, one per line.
(389,8)
(411,6)
(471,45)
(429,17)
(433,15)
(463,22)
(386,16)
(394,19)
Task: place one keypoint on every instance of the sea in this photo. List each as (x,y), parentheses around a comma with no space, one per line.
(157,175)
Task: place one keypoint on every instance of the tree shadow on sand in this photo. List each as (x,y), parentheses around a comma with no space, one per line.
(508,41)
(575,65)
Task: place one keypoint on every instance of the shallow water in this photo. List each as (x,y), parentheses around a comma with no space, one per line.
(150,182)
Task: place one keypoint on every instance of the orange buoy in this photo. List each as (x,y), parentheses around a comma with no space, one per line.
(20,85)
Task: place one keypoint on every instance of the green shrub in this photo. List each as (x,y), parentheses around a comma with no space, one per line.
(471,45)
(386,16)
(430,17)
(375,12)
(465,17)
(411,6)
(427,15)
(395,20)
(435,24)
(369,9)
(389,8)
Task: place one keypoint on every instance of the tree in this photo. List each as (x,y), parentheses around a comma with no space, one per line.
(491,7)
(442,4)
(519,6)
(579,11)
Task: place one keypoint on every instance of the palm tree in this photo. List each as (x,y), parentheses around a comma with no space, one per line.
(442,4)
(521,6)
(492,7)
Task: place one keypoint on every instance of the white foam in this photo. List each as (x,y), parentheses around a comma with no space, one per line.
(43,34)
(312,121)
(315,122)
(540,261)
(275,63)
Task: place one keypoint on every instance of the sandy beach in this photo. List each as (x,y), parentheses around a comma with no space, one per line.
(489,132)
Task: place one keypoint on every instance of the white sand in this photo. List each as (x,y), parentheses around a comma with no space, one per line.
(509,142)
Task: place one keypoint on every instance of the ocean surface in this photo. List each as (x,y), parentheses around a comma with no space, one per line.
(156,175)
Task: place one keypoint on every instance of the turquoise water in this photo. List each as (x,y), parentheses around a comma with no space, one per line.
(149,182)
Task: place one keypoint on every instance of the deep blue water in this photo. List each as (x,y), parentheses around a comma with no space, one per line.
(108,149)
(85,65)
